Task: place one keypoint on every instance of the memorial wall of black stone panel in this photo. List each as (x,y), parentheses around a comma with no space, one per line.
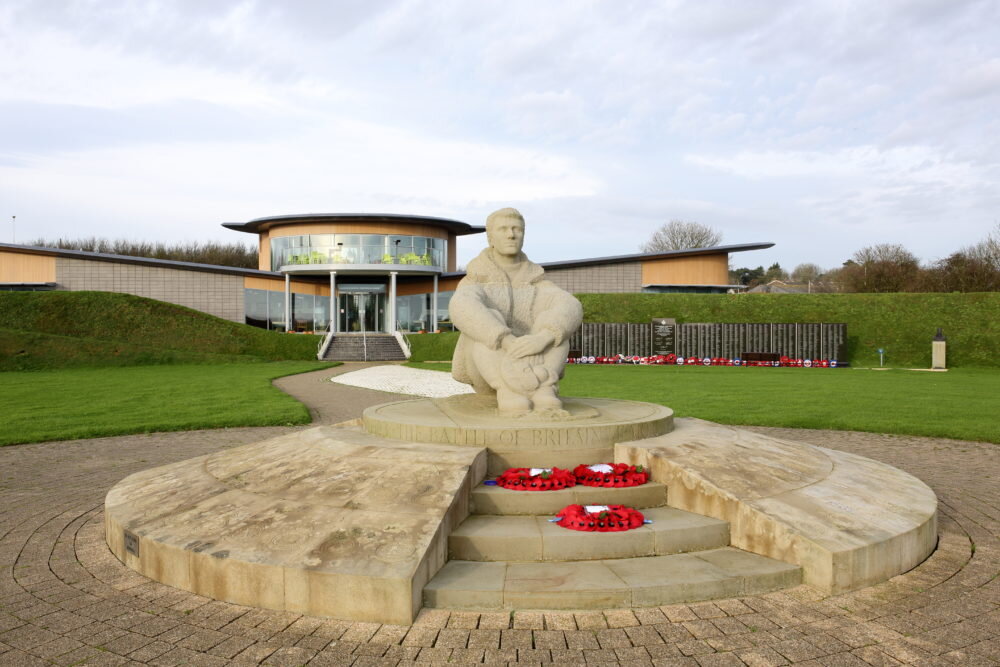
(726,340)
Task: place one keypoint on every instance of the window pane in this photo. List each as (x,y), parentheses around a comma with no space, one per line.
(302,311)
(322,311)
(411,312)
(276,310)
(255,305)
(444,321)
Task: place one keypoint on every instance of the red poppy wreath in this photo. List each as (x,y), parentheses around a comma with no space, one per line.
(611,474)
(536,479)
(599,518)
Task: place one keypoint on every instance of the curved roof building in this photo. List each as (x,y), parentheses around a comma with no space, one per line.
(348,272)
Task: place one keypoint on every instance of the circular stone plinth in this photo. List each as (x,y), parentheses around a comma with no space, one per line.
(473,420)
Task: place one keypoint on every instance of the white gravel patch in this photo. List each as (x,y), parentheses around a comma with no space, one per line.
(404,380)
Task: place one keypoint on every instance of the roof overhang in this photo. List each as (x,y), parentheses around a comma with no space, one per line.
(259,225)
(129,259)
(689,285)
(50,285)
(649,256)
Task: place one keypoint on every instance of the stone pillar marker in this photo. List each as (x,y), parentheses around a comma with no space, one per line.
(938,351)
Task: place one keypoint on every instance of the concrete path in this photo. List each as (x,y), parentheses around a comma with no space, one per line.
(332,403)
(64,599)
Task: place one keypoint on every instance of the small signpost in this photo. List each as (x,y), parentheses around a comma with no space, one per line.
(881,357)
(664,335)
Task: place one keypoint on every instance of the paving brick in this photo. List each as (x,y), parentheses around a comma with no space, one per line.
(452,638)
(720,660)
(560,621)
(528,620)
(55,648)
(515,639)
(484,639)
(289,656)
(494,621)
(945,611)
(549,639)
(27,637)
(613,638)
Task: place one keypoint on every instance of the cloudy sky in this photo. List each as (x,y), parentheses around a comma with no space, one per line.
(822,126)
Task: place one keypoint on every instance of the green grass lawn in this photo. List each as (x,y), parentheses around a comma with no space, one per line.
(94,402)
(955,404)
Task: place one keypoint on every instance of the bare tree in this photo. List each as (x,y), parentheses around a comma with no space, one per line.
(680,235)
(972,269)
(886,267)
(988,250)
(806,273)
(234,253)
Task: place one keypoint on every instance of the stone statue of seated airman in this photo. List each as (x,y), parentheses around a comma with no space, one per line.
(515,325)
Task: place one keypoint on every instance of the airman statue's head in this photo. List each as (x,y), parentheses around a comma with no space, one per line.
(505,231)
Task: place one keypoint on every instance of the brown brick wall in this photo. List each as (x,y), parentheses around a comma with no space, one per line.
(214,293)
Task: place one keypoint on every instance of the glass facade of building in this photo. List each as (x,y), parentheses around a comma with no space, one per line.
(359,310)
(266,309)
(358,249)
(413,312)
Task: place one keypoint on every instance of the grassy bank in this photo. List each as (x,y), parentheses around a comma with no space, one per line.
(433,346)
(114,329)
(28,350)
(950,405)
(97,402)
(902,324)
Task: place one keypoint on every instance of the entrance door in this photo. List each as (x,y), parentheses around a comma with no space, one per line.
(361,311)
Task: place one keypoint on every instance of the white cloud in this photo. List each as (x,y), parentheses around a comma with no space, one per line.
(915,164)
(752,116)
(344,165)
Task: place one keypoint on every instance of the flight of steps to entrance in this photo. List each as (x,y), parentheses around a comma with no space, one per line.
(352,347)
(507,555)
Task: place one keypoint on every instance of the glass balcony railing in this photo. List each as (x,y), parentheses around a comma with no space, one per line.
(358,249)
(357,255)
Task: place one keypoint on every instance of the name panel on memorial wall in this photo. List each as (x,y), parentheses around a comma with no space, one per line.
(664,335)
(809,340)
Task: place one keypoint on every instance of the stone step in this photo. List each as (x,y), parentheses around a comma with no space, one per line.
(372,347)
(498,500)
(534,538)
(608,584)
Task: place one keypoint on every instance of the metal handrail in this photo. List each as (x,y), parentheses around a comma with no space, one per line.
(404,345)
(324,344)
(364,335)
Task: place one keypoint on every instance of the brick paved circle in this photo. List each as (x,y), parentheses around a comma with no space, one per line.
(64,599)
